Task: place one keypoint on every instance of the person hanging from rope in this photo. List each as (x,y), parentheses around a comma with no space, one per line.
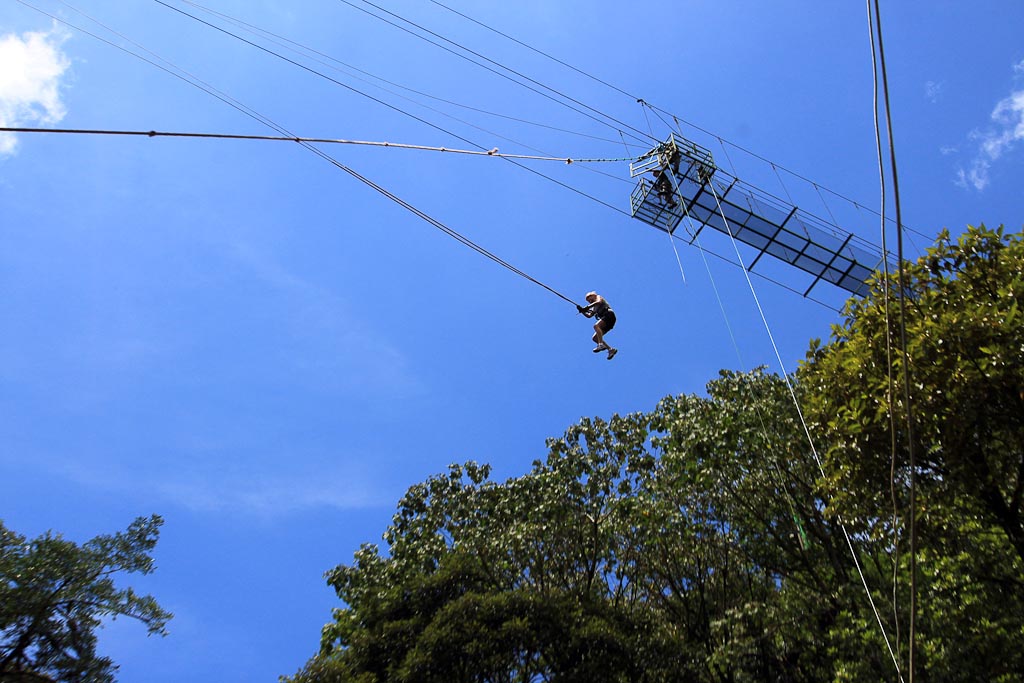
(663,187)
(597,306)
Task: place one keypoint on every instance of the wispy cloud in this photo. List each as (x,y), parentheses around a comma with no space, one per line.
(30,81)
(330,345)
(998,139)
(271,495)
(933,90)
(230,488)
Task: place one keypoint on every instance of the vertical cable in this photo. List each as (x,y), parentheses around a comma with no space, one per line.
(890,388)
(673,241)
(912,461)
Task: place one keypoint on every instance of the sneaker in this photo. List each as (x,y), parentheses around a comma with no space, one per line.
(600,347)
(611,353)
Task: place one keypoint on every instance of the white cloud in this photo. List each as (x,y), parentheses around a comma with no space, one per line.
(30,81)
(997,140)
(933,90)
(1019,67)
(224,484)
(270,494)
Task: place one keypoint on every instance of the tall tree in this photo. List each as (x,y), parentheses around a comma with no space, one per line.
(54,593)
(965,355)
(689,543)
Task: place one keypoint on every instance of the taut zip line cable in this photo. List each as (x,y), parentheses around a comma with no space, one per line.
(529,47)
(502,66)
(282,138)
(323,155)
(436,223)
(371,97)
(337,65)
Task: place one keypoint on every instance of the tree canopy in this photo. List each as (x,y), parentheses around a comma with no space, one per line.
(54,594)
(965,350)
(711,540)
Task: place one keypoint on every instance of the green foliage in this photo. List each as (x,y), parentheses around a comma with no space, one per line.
(54,593)
(678,545)
(711,541)
(965,345)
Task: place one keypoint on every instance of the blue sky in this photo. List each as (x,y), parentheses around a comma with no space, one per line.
(244,339)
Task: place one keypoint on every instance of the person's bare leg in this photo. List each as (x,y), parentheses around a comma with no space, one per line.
(599,338)
(602,345)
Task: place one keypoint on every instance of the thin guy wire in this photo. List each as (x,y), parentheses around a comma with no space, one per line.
(276,40)
(784,188)
(299,48)
(643,108)
(810,441)
(390,106)
(660,117)
(170,69)
(521,75)
(540,52)
(264,33)
(483,66)
(736,347)
(624,143)
(678,260)
(829,209)
(309,69)
(728,158)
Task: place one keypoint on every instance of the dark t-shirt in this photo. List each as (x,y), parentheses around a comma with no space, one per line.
(600,308)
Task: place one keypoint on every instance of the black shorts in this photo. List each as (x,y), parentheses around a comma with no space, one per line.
(607,321)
